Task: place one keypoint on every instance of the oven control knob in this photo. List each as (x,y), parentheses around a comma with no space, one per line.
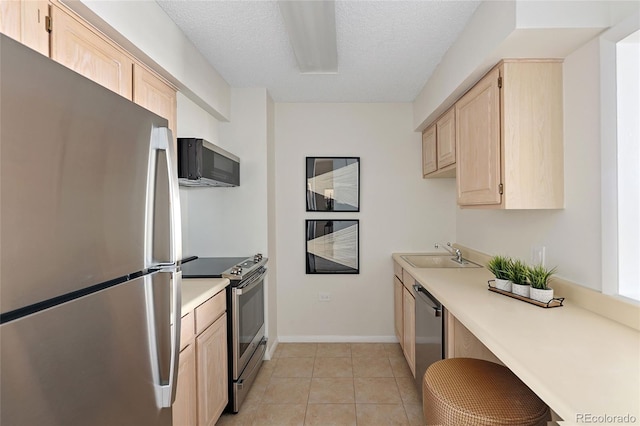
(257,258)
(236,270)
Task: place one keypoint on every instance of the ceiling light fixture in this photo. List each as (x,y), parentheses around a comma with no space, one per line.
(311,26)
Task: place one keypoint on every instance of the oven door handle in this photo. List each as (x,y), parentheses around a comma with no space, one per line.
(250,285)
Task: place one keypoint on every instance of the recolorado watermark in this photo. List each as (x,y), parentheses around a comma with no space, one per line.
(605,418)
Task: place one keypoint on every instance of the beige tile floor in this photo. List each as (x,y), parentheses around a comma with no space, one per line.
(364,384)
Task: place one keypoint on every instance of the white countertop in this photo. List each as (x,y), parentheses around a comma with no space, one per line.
(578,362)
(195,291)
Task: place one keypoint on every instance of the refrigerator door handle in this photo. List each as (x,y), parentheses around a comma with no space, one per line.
(162,140)
(165,389)
(176,317)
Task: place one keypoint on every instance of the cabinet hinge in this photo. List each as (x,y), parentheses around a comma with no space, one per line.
(48,24)
(499,82)
(501,189)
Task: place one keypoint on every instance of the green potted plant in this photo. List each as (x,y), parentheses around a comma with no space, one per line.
(519,276)
(500,266)
(539,277)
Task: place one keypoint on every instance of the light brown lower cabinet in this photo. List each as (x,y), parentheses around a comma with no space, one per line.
(397,309)
(212,374)
(409,329)
(185,405)
(404,314)
(460,342)
(202,388)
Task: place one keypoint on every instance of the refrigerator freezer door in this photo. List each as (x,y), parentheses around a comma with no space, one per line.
(74,170)
(86,362)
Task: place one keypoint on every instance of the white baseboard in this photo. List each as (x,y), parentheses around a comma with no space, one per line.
(337,339)
(271,349)
(273,343)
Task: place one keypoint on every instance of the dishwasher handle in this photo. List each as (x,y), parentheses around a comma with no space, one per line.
(423,294)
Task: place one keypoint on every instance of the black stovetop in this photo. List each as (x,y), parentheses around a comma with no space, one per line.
(208,267)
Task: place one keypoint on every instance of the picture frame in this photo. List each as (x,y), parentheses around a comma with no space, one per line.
(333,184)
(332,246)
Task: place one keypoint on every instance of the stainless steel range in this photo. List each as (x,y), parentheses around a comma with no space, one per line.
(245,319)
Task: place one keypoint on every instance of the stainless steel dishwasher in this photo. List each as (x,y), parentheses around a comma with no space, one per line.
(429,332)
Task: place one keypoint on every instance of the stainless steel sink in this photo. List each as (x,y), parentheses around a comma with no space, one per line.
(437,260)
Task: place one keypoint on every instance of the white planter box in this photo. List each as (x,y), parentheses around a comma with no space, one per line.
(503,284)
(520,290)
(540,295)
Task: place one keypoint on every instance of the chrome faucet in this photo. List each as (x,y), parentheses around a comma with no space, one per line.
(454,251)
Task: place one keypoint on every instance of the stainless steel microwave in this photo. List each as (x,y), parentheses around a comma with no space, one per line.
(201,163)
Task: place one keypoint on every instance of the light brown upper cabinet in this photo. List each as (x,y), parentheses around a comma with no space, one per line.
(11,19)
(509,138)
(429,161)
(478,133)
(154,94)
(79,47)
(25,21)
(439,147)
(446,139)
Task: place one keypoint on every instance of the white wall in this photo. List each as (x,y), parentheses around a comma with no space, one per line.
(399,211)
(271,321)
(193,121)
(572,236)
(233,221)
(513,29)
(465,61)
(628,112)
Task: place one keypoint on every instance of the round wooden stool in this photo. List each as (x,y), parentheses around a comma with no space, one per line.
(467,391)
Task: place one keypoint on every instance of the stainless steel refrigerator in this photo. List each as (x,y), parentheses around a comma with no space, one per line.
(89,239)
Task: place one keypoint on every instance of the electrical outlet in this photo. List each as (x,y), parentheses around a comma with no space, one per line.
(324,297)
(538,255)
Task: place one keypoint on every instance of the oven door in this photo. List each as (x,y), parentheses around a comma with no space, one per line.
(248,320)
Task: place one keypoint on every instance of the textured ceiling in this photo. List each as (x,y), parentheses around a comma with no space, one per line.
(386,49)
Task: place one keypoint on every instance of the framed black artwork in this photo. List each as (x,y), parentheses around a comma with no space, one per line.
(332,246)
(333,184)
